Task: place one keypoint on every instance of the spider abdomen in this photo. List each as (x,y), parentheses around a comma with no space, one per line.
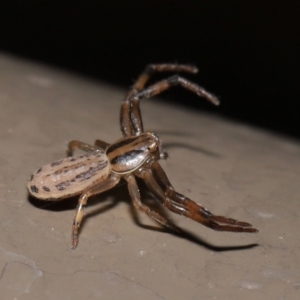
(69,176)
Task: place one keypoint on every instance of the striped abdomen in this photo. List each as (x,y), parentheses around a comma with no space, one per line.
(69,176)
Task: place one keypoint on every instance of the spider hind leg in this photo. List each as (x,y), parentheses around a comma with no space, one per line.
(160,186)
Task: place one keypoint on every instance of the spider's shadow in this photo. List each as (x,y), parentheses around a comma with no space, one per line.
(119,194)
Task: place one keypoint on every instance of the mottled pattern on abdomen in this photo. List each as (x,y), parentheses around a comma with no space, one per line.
(69,176)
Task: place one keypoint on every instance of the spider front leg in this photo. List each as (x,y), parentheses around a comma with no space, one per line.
(131,120)
(130,117)
(159,184)
(168,83)
(97,188)
(155,68)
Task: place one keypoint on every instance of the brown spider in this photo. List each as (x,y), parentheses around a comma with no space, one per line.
(134,155)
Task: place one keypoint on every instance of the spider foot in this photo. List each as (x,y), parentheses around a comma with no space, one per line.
(216,223)
(230,221)
(75,233)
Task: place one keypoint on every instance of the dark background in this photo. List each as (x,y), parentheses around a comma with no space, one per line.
(247,51)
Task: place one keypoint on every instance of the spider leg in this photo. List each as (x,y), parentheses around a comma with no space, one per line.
(152,68)
(168,83)
(101,144)
(131,120)
(159,184)
(136,199)
(73,145)
(130,117)
(97,188)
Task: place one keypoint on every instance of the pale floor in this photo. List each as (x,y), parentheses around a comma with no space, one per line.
(232,169)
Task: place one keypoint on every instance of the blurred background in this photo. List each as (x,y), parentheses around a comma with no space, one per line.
(247,51)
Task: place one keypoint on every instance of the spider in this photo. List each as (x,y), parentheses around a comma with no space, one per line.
(135,155)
